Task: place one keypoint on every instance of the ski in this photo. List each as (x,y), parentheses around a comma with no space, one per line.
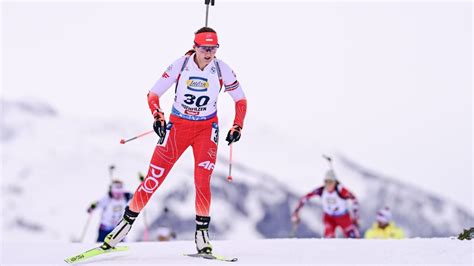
(211,257)
(92,253)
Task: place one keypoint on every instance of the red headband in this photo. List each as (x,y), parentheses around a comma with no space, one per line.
(206,38)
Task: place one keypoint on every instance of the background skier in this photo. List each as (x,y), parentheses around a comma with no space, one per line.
(334,197)
(112,206)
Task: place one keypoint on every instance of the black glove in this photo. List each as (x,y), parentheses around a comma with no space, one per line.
(92,207)
(234,134)
(141,176)
(159,125)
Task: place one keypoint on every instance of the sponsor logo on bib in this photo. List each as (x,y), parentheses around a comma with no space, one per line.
(197,84)
(189,112)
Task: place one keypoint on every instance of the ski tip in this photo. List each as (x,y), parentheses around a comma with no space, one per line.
(92,253)
(226,259)
(211,257)
(70,260)
(73,259)
(122,248)
(122,141)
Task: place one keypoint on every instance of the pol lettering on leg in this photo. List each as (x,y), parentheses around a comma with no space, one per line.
(152,181)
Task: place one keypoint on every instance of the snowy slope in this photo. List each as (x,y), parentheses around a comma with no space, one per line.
(54,166)
(258,252)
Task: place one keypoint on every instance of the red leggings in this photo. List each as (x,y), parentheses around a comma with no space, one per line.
(344,221)
(180,134)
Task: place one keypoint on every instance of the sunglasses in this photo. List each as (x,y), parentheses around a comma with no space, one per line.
(207,48)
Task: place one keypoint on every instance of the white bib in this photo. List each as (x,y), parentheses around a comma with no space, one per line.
(112,211)
(333,204)
(197,92)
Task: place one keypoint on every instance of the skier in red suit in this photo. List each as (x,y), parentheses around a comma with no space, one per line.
(334,197)
(200,78)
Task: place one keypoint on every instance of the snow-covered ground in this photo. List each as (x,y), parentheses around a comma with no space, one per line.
(256,252)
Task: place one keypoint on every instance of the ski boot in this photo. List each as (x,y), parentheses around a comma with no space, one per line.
(121,230)
(201,237)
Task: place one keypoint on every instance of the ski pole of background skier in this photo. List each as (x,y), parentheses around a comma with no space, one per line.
(294,228)
(111,172)
(86,226)
(329,160)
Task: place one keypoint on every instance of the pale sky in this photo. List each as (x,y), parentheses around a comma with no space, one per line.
(388,84)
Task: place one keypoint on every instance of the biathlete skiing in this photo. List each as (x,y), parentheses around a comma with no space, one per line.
(199,77)
(334,198)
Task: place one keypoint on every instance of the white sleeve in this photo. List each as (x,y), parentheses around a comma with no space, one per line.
(103,202)
(168,78)
(231,84)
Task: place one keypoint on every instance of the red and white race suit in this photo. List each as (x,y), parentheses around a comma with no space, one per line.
(193,122)
(336,211)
